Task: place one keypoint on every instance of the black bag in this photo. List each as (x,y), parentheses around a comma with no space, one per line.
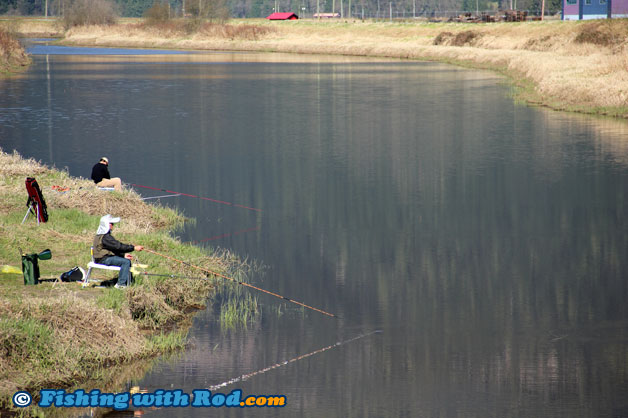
(75,275)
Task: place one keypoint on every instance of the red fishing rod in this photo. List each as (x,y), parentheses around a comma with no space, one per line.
(241,283)
(196,197)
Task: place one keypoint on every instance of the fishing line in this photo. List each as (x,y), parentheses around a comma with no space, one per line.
(242,283)
(247,376)
(197,197)
(159,197)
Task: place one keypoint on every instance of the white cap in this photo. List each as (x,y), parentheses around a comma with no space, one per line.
(103,227)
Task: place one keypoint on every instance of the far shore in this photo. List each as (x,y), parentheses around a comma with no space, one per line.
(563,65)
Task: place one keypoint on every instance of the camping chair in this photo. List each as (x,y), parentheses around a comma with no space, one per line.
(35,203)
(94,265)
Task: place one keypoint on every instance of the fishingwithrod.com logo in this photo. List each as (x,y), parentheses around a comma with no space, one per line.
(160,398)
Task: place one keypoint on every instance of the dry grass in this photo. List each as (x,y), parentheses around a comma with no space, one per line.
(82,195)
(459,39)
(577,66)
(60,335)
(609,33)
(162,302)
(182,28)
(12,55)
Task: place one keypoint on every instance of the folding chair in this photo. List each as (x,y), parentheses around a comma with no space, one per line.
(36,203)
(94,265)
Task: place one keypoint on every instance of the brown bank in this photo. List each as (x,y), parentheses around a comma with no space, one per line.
(13,58)
(58,335)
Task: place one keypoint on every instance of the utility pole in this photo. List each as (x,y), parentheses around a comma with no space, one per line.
(390,7)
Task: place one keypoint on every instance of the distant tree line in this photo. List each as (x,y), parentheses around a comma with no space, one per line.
(382,9)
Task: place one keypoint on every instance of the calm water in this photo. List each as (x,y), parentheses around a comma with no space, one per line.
(485,239)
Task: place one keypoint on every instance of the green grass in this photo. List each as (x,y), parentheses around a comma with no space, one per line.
(167,342)
(113,299)
(27,339)
(61,334)
(239,311)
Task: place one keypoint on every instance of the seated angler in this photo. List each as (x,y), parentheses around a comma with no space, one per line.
(111,252)
(101,176)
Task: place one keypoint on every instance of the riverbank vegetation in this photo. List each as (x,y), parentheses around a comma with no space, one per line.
(563,65)
(573,66)
(13,58)
(60,334)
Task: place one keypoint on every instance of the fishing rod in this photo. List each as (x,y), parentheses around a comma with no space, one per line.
(247,376)
(241,283)
(197,197)
(160,197)
(171,276)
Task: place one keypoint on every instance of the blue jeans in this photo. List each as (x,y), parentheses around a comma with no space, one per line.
(125,267)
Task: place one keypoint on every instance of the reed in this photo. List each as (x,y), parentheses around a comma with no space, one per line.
(167,342)
(239,311)
(238,307)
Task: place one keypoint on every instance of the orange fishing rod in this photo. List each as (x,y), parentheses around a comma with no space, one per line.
(244,377)
(242,283)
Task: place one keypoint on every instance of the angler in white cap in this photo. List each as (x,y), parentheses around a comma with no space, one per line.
(111,252)
(101,176)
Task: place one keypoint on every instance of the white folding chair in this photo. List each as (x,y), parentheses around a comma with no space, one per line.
(94,265)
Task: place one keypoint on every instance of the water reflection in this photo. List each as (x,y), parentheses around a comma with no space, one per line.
(485,239)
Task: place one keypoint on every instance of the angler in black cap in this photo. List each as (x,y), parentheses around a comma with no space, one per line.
(100,175)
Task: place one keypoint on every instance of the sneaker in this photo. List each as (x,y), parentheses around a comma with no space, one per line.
(120,286)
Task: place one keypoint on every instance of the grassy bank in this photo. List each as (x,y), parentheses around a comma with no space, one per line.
(60,334)
(573,66)
(13,58)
